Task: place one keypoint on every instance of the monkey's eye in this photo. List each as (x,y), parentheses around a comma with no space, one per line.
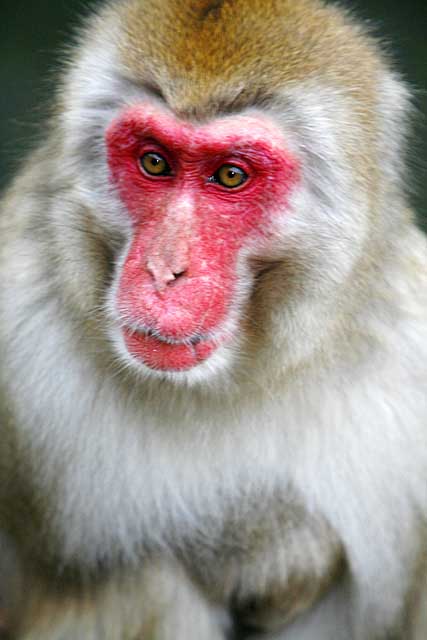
(230,176)
(154,164)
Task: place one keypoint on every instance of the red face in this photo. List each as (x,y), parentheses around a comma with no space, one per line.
(196,196)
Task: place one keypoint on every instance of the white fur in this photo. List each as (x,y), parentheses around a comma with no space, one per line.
(152,465)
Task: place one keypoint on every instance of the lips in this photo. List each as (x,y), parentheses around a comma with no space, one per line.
(163,355)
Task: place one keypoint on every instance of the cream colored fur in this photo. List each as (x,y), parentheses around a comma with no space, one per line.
(328,403)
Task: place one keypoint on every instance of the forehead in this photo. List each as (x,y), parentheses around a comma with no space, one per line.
(148,119)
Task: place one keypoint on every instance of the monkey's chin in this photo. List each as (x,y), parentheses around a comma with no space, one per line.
(161,355)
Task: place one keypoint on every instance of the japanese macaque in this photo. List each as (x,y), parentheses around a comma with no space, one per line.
(213,337)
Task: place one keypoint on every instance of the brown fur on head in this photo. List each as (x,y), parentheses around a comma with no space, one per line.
(227,54)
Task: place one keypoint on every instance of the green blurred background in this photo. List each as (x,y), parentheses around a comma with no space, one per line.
(33,31)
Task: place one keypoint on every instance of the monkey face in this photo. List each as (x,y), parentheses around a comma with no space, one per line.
(198,197)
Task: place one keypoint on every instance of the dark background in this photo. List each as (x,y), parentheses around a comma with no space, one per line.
(32,33)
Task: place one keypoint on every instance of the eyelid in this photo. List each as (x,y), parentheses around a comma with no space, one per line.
(235,161)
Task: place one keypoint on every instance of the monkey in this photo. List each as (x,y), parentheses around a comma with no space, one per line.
(213,336)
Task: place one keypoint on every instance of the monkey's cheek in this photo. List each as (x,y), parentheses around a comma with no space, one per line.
(161,356)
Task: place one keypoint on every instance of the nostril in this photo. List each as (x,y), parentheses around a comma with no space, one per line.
(179,274)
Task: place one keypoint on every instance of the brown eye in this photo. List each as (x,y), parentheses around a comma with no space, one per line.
(230,176)
(154,164)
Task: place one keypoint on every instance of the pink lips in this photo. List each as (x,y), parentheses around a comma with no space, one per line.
(164,356)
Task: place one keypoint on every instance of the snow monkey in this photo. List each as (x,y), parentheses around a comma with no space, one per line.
(213,337)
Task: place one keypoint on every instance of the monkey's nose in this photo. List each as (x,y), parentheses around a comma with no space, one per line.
(163,275)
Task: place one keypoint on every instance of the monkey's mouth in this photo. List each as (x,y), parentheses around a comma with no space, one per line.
(166,354)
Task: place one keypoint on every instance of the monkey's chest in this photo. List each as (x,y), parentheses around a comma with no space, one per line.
(269,567)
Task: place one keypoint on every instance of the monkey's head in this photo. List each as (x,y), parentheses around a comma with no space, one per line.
(238,156)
